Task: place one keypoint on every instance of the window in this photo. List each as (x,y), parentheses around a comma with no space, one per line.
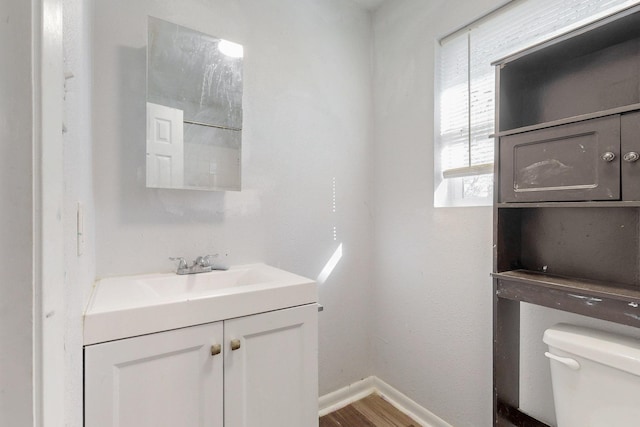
(465,86)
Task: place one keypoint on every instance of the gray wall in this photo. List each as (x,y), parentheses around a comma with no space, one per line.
(16,277)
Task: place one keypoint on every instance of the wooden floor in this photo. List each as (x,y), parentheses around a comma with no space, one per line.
(372,411)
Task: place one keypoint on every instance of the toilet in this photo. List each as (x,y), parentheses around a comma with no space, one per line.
(595,377)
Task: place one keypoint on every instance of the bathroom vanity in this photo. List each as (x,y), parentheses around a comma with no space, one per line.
(567,187)
(226,348)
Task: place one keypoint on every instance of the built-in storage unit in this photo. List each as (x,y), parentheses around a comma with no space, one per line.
(258,370)
(567,187)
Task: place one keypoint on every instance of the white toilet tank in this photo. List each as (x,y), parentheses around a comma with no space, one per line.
(595,377)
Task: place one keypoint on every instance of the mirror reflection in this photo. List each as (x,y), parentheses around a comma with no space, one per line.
(194,109)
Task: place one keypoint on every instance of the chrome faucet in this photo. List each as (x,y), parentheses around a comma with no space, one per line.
(202,264)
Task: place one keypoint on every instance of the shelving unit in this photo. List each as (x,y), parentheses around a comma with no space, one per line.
(567,187)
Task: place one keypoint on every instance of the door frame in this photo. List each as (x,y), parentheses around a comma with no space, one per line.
(49,314)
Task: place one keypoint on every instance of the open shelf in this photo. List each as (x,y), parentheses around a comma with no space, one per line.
(588,289)
(572,119)
(593,204)
(585,74)
(606,301)
(599,243)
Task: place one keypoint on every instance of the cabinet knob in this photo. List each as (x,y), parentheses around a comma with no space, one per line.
(608,156)
(216,349)
(235,344)
(631,156)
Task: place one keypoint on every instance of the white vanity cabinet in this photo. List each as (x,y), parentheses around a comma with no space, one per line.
(272,379)
(264,376)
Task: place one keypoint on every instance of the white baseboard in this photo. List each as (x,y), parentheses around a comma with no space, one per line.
(340,398)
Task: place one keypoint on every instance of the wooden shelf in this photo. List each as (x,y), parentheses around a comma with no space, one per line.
(591,287)
(586,74)
(592,204)
(607,30)
(567,120)
(606,301)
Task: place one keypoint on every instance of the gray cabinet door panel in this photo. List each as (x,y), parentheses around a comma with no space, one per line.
(562,163)
(630,143)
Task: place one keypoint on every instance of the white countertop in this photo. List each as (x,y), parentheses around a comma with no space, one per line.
(123,307)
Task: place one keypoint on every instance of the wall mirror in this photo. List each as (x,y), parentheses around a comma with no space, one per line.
(194,109)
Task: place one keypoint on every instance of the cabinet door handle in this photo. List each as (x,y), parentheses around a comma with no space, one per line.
(235,344)
(608,156)
(631,156)
(216,349)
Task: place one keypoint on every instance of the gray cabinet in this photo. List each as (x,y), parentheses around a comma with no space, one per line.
(567,211)
(630,155)
(595,159)
(576,161)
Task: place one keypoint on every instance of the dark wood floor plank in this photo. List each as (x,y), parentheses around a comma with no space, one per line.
(346,417)
(382,413)
(371,411)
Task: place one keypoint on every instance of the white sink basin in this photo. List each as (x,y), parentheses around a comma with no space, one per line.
(124,307)
(204,283)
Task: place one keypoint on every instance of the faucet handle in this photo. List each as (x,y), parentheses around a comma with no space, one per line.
(207,260)
(182,263)
(214,262)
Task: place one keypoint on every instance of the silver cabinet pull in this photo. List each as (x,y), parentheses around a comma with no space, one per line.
(216,349)
(567,361)
(608,156)
(631,156)
(235,344)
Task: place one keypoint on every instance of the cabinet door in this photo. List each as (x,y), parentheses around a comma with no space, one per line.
(573,162)
(630,152)
(163,379)
(271,380)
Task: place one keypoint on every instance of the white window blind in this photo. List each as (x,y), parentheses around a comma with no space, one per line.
(466,87)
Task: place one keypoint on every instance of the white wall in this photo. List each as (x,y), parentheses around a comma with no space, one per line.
(432,333)
(78,182)
(432,336)
(307,123)
(16,259)
(417,313)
